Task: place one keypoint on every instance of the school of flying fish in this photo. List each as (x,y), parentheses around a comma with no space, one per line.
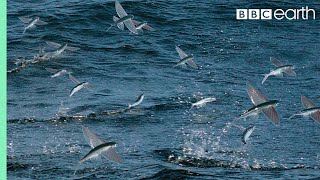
(107,149)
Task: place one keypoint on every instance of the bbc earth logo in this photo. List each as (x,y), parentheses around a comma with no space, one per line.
(279,14)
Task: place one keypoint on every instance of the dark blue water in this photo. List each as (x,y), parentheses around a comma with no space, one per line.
(161,138)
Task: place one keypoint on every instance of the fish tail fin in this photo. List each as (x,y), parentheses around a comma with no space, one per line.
(265,78)
(191,106)
(109,27)
(292,116)
(77,167)
(24,30)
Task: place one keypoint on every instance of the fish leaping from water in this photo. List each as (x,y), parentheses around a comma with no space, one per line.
(57,72)
(280,70)
(246,134)
(123,20)
(79,85)
(203,102)
(99,147)
(185,59)
(32,22)
(261,104)
(311,110)
(106,149)
(138,101)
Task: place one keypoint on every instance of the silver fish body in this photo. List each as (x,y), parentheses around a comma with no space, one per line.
(138,101)
(203,102)
(257,109)
(96,151)
(246,134)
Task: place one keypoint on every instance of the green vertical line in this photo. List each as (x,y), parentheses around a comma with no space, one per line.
(3,89)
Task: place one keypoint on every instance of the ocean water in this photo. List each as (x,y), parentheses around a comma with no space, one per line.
(161,138)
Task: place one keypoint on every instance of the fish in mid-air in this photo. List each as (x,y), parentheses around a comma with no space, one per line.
(203,102)
(246,134)
(79,85)
(32,22)
(140,26)
(60,48)
(57,72)
(311,110)
(99,147)
(137,102)
(260,104)
(185,59)
(281,68)
(123,19)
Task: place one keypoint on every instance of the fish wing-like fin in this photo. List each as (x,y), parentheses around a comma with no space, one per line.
(307,103)
(129,24)
(111,154)
(276,62)
(181,53)
(52,70)
(91,138)
(39,22)
(135,22)
(53,44)
(89,86)
(255,96)
(316,116)
(74,79)
(120,11)
(290,72)
(70,48)
(192,64)
(25,20)
(147,27)
(272,114)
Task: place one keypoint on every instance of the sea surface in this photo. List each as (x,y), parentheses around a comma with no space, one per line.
(162,138)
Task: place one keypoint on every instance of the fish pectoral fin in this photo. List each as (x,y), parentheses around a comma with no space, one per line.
(73,79)
(39,22)
(316,116)
(129,24)
(120,11)
(89,86)
(192,64)
(181,53)
(272,114)
(112,155)
(70,48)
(92,139)
(280,75)
(290,72)
(135,22)
(149,28)
(53,44)
(52,70)
(25,20)
(276,62)
(307,103)
(140,31)
(255,96)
